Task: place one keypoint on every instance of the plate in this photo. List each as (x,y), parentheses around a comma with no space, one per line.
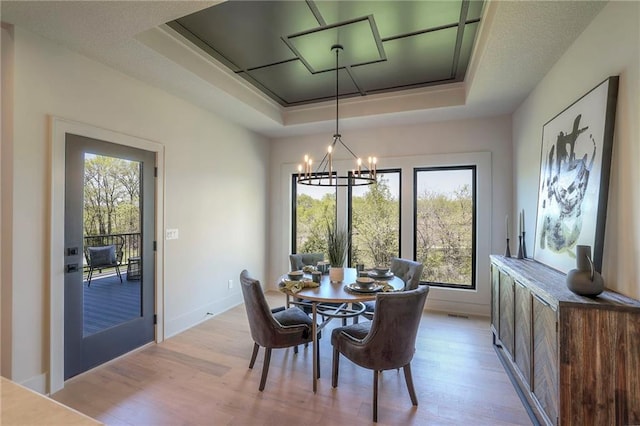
(374,274)
(355,287)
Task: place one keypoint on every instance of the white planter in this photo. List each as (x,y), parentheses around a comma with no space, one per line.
(336,275)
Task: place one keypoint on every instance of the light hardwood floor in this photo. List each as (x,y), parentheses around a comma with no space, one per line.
(201,377)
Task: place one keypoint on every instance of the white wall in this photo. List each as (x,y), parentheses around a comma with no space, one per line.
(408,147)
(610,45)
(217,203)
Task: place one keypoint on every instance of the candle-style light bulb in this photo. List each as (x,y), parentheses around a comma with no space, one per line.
(330,150)
(359,167)
(375,161)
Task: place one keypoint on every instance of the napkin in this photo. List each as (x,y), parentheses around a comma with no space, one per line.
(385,286)
(296,286)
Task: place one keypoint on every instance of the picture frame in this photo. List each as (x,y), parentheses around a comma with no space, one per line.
(575,165)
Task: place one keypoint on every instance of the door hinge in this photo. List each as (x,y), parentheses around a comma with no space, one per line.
(155,172)
(155,319)
(155,246)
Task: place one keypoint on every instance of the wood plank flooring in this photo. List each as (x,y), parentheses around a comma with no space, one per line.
(201,377)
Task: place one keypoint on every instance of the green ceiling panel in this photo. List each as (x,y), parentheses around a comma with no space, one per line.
(249,36)
(315,47)
(394,18)
(412,60)
(293,83)
(284,47)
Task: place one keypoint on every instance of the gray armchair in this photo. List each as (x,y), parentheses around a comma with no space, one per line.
(280,328)
(408,270)
(300,260)
(385,343)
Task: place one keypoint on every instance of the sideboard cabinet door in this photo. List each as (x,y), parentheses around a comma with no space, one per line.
(506,313)
(495,300)
(523,330)
(545,358)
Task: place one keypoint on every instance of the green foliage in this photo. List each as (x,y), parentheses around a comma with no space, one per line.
(376,226)
(312,217)
(111,196)
(443,236)
(337,244)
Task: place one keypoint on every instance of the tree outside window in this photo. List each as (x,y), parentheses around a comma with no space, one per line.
(445,225)
(375,220)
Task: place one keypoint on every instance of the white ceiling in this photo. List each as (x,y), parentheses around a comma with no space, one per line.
(518,42)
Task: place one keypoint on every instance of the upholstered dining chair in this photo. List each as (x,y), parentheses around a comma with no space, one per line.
(408,270)
(277,328)
(300,260)
(385,343)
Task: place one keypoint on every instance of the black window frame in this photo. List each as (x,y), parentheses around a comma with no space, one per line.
(474,244)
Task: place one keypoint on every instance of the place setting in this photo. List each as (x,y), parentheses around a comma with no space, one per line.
(369,285)
(380,273)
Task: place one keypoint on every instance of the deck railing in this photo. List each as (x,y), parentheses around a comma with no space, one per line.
(130,248)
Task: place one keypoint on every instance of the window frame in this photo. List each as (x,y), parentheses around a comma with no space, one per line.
(474,220)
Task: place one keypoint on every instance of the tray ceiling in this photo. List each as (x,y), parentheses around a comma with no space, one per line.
(284,47)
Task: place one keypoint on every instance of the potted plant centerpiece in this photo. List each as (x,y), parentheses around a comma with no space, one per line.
(337,247)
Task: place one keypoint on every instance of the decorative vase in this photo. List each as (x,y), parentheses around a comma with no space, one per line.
(336,275)
(584,280)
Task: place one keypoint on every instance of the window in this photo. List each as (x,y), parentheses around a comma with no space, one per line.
(444,225)
(374,220)
(312,209)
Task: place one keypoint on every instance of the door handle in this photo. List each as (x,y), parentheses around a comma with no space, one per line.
(72,267)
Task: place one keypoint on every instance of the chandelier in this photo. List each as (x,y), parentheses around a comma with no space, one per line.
(362,174)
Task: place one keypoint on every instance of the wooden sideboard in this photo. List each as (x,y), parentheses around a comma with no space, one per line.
(576,359)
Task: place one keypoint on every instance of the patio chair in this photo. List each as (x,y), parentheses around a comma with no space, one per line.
(385,343)
(102,252)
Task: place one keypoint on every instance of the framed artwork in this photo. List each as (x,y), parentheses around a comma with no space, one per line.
(574,178)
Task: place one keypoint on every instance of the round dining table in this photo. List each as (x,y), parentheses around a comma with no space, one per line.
(334,300)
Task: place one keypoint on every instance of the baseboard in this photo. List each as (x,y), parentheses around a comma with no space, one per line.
(462,308)
(36,383)
(202,313)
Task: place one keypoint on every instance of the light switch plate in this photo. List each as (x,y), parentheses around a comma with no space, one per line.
(171,234)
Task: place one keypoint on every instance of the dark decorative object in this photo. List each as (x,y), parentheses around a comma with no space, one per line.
(507,252)
(574,178)
(520,255)
(524,246)
(584,280)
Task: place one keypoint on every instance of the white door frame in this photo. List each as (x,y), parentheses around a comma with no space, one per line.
(58,128)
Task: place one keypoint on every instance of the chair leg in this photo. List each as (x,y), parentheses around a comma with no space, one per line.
(254,355)
(118,272)
(335,367)
(265,368)
(409,380)
(89,276)
(295,349)
(375,396)
(317,349)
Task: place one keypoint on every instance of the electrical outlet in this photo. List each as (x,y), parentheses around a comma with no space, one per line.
(230,283)
(171,234)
